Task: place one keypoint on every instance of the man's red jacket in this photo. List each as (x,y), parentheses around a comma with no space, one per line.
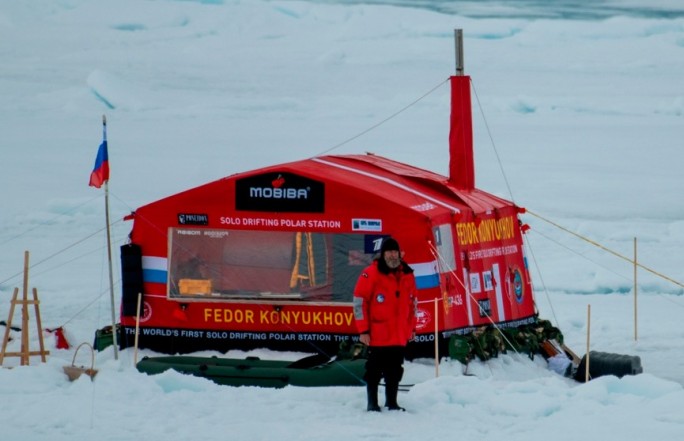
(385,305)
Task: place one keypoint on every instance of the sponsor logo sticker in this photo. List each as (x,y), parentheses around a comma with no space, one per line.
(485,307)
(515,284)
(423,318)
(280,192)
(193,219)
(367,225)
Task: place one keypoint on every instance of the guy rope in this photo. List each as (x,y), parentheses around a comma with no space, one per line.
(598,245)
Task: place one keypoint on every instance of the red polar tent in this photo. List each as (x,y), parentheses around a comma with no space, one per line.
(269,257)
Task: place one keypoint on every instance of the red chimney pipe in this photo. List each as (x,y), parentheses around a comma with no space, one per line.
(461,159)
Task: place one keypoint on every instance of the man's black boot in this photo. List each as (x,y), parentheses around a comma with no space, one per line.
(372,391)
(391,391)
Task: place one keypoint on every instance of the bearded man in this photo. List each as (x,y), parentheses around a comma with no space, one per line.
(385,314)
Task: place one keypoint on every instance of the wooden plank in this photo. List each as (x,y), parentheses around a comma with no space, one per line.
(39,324)
(18,354)
(8,326)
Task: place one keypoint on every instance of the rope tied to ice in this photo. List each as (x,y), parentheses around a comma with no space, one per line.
(604,248)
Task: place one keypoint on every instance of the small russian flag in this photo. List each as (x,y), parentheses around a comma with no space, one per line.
(100,173)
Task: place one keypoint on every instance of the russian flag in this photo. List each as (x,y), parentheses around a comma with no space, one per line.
(426,274)
(100,173)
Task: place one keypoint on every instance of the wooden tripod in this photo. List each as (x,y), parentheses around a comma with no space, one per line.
(25,353)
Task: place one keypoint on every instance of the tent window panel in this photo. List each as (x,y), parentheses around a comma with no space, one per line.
(349,260)
(256,263)
(192,262)
(445,246)
(240,264)
(311,272)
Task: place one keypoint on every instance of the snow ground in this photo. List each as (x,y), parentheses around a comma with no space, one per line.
(582,113)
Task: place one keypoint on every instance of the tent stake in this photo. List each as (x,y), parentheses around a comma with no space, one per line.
(137,330)
(636,337)
(436,340)
(586,367)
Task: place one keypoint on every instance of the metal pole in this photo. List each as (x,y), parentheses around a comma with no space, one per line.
(458,38)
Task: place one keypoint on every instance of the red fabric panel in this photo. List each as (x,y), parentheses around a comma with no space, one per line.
(461,161)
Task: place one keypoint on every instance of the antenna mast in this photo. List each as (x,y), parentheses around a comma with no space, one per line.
(458,40)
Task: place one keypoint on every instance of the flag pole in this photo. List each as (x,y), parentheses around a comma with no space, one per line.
(109,251)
